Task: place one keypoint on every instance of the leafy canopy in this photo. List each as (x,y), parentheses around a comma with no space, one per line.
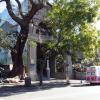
(71,24)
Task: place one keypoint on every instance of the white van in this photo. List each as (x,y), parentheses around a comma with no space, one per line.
(93,74)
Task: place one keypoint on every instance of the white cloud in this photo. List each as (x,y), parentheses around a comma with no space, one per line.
(2,6)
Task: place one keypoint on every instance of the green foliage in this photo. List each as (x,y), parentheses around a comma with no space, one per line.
(31,42)
(71,23)
(7,40)
(87,40)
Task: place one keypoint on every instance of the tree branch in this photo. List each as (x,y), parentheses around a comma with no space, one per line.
(20,8)
(11,13)
(2,0)
(35,7)
(27,17)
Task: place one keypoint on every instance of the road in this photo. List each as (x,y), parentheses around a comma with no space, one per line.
(72,92)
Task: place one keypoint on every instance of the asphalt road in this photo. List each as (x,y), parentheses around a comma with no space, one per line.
(71,92)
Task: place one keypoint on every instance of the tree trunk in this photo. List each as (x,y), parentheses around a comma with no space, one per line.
(41,76)
(17,54)
(52,63)
(52,67)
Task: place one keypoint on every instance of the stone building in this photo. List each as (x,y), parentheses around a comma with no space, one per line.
(39,35)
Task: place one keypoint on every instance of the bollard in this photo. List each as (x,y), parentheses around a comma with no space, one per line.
(27,81)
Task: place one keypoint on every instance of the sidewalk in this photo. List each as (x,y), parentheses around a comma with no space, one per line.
(52,83)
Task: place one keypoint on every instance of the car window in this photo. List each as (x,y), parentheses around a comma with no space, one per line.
(88,73)
(92,73)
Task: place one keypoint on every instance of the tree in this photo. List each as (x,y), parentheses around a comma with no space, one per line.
(71,24)
(23,19)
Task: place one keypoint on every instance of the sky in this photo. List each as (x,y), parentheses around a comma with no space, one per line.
(98,25)
(3,5)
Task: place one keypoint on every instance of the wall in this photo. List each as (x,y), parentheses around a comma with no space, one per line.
(39,38)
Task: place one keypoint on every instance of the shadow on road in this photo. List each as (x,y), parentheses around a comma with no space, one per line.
(20,89)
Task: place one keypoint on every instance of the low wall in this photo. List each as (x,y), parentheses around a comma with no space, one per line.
(60,75)
(76,75)
(80,75)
